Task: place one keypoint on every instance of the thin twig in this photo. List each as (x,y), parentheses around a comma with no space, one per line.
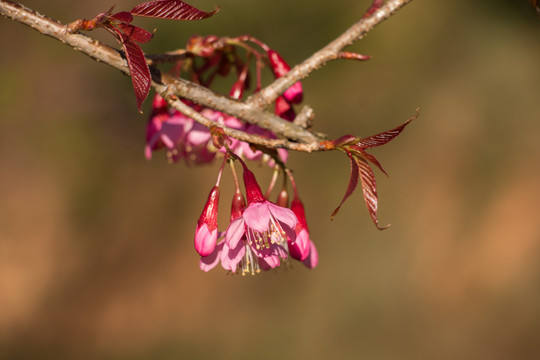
(330,52)
(252,111)
(182,88)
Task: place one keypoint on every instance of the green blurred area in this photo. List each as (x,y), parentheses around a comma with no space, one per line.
(96,254)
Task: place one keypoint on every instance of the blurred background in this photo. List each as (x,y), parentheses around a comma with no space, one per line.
(96,242)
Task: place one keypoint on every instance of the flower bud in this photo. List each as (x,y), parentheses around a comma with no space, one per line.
(206,232)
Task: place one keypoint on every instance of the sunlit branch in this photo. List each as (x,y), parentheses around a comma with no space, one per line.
(292,135)
(330,52)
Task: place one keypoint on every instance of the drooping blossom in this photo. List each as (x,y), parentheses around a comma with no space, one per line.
(206,232)
(279,66)
(186,139)
(302,248)
(261,230)
(165,128)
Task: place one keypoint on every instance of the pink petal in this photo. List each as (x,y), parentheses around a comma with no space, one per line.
(257,216)
(148,152)
(234,233)
(281,252)
(205,240)
(248,152)
(283,215)
(209,262)
(289,232)
(313,258)
(269,262)
(173,132)
(294,94)
(231,257)
(198,135)
(300,248)
(283,154)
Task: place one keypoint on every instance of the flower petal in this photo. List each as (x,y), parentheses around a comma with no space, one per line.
(283,215)
(269,262)
(234,233)
(205,240)
(300,248)
(231,257)
(313,258)
(257,216)
(207,263)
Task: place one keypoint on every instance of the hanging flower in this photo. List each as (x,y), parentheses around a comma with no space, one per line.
(206,232)
(261,229)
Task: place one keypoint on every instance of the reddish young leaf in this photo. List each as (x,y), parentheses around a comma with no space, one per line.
(369,189)
(344,140)
(140,73)
(135,33)
(171,9)
(361,153)
(384,137)
(122,16)
(353,183)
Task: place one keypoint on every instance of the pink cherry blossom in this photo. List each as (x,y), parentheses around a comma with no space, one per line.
(299,248)
(206,232)
(261,229)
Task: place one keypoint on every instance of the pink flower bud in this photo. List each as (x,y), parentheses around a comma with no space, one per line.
(293,94)
(284,109)
(159,104)
(299,248)
(206,232)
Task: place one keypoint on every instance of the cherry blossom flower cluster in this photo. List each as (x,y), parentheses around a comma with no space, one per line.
(262,235)
(206,58)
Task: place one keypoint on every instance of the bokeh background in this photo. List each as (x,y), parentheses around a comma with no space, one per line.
(96,254)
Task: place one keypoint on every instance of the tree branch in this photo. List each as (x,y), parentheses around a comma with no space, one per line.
(252,111)
(330,52)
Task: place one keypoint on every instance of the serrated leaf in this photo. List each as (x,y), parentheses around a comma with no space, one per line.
(171,9)
(122,16)
(371,158)
(138,69)
(353,183)
(136,33)
(384,137)
(369,189)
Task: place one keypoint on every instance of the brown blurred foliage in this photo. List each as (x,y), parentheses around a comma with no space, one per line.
(96,254)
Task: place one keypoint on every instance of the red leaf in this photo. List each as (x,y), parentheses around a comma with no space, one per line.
(171,9)
(361,153)
(344,140)
(140,73)
(353,182)
(135,33)
(369,189)
(122,16)
(384,137)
